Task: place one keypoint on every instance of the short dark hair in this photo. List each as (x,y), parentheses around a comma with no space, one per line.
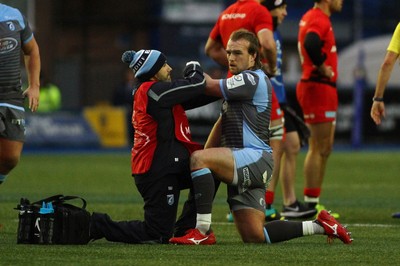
(254,45)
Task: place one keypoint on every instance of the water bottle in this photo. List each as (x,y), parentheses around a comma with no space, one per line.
(46,223)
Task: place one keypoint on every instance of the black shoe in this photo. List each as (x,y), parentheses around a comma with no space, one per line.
(298,210)
(271,214)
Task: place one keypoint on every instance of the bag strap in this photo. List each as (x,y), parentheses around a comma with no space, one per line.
(53,199)
(57,199)
(65,198)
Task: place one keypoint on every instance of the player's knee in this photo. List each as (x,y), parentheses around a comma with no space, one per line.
(7,164)
(292,148)
(196,160)
(326,151)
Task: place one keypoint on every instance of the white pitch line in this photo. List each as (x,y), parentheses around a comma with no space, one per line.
(375,225)
(348,225)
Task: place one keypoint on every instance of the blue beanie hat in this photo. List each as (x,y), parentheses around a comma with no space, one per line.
(144,63)
(272,4)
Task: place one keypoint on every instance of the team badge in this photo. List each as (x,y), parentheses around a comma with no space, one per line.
(11,26)
(170,199)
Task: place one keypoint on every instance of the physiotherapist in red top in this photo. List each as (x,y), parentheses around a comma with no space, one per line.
(316,92)
(161,148)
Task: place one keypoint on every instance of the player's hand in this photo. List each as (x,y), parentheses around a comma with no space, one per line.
(32,92)
(378,112)
(192,67)
(326,71)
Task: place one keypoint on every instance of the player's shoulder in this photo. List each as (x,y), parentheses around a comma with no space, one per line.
(9,12)
(252,77)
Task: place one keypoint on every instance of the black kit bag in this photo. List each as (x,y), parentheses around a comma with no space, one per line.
(53,221)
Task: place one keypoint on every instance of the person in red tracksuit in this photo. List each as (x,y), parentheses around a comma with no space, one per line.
(161,149)
(316,92)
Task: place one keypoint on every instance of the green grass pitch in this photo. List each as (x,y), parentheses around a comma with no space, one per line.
(362,186)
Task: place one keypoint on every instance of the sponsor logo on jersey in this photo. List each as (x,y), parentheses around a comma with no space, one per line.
(233,16)
(251,78)
(7,45)
(185,131)
(246,179)
(235,81)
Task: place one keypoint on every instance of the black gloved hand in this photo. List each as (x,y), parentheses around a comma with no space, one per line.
(191,68)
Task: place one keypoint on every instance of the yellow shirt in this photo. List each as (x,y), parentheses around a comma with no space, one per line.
(50,98)
(394,45)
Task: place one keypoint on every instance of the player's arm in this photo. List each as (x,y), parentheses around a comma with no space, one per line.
(313,46)
(378,106)
(212,86)
(181,90)
(216,51)
(385,73)
(32,65)
(268,50)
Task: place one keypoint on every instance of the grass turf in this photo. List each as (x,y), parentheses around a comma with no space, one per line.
(361,186)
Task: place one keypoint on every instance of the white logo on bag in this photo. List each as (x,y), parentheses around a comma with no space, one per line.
(37,224)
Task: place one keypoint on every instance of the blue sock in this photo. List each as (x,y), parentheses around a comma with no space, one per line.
(2,178)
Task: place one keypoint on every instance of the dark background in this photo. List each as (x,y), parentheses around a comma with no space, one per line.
(82,41)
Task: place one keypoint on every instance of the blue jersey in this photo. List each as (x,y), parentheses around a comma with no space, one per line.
(14,32)
(246,110)
(277,81)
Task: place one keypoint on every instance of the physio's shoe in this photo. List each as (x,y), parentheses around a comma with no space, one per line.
(321,207)
(333,229)
(194,237)
(298,210)
(271,214)
(396,215)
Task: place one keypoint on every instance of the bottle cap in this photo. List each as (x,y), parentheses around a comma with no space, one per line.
(46,209)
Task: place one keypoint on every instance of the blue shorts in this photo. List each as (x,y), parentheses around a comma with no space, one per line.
(253,170)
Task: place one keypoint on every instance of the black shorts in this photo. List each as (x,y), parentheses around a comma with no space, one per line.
(290,123)
(12,122)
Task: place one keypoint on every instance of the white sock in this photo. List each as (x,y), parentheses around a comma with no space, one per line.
(308,228)
(311,228)
(203,222)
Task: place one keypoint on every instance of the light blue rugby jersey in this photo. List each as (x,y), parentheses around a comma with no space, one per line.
(14,31)
(246,110)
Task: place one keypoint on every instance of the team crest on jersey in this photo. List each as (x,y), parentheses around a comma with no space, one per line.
(235,81)
(11,26)
(170,199)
